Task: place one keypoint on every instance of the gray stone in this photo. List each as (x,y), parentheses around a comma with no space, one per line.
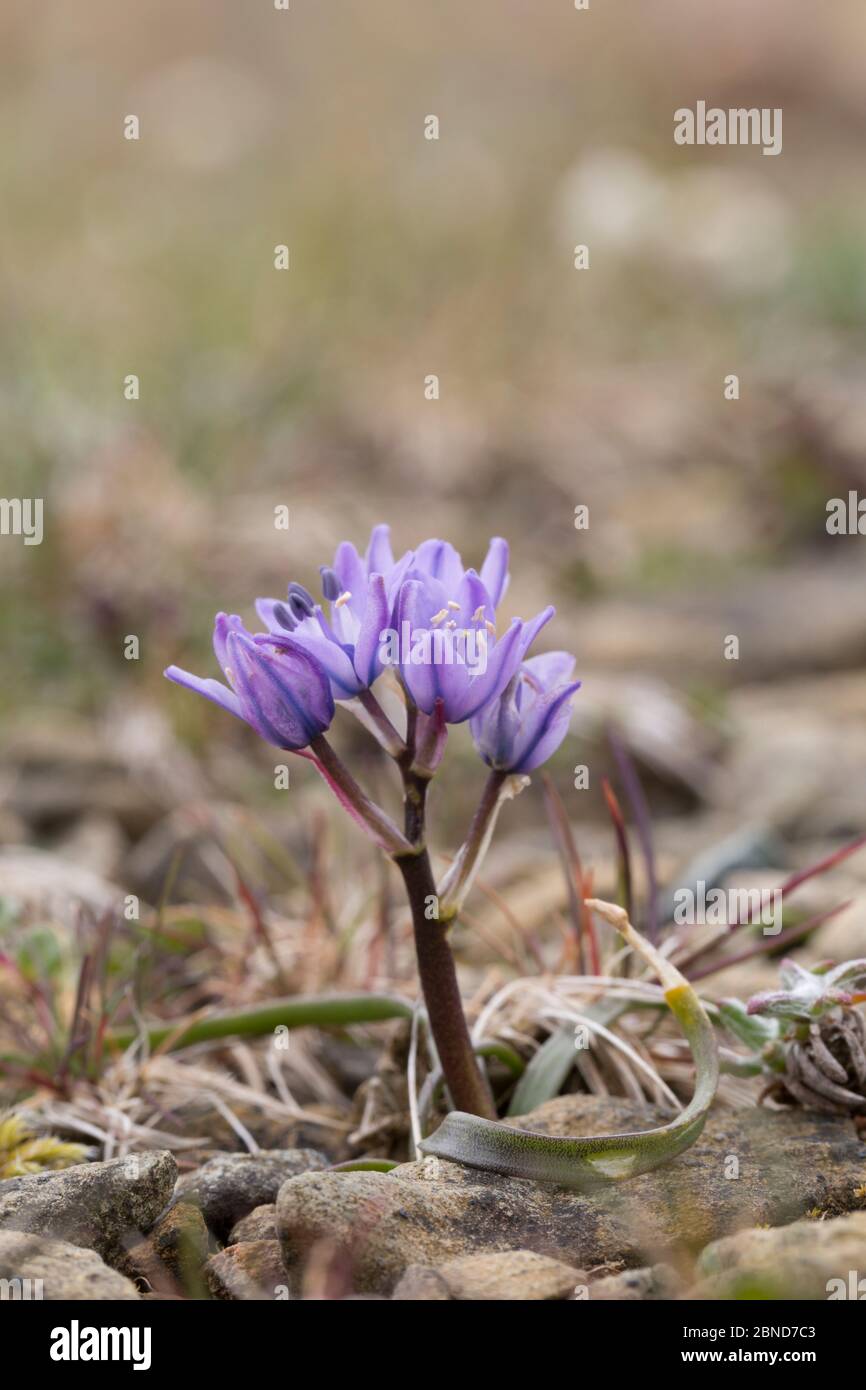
(171,1257)
(259,1224)
(231,1185)
(433,1211)
(105,1206)
(180,1238)
(518,1276)
(808,1259)
(509,1276)
(252,1270)
(34,1267)
(788,1162)
(636,1285)
(421,1284)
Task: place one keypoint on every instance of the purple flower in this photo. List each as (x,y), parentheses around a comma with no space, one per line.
(363,593)
(360,593)
(281,691)
(445,639)
(520,730)
(441,561)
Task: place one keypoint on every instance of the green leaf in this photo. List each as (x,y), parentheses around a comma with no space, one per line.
(545,1073)
(40,956)
(364,1165)
(502,1053)
(752,1029)
(742,1066)
(303,1011)
(584,1163)
(179,937)
(849,973)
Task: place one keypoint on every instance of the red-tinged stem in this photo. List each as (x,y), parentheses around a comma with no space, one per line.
(355,801)
(619,829)
(770,943)
(430,736)
(823,865)
(388,736)
(643,827)
(414,805)
(789,885)
(461,875)
(575,880)
(466,1082)
(463,1076)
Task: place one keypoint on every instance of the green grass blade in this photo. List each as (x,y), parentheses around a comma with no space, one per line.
(547,1072)
(311,1011)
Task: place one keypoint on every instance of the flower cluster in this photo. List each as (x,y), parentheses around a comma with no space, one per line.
(424,616)
(431,624)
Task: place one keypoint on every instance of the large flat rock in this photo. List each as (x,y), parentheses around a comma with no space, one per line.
(749,1167)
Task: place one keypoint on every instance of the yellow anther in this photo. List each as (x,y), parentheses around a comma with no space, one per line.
(344,598)
(490,628)
(437,617)
(455,606)
(478,615)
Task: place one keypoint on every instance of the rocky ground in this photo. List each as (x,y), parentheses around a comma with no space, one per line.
(771,1202)
(149,866)
(226,1186)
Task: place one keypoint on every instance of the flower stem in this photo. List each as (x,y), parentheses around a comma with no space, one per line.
(466,1081)
(374,820)
(460,876)
(387,735)
(436,969)
(463,1076)
(414,806)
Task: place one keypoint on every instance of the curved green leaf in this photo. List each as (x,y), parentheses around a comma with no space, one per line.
(584,1163)
(364,1165)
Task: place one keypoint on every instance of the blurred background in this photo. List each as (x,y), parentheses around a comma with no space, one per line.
(305,388)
